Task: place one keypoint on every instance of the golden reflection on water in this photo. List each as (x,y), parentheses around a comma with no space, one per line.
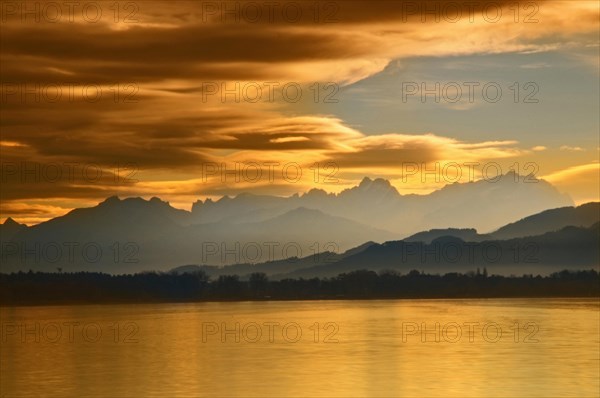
(547,347)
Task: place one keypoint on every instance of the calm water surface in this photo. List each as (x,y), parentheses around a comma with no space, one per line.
(500,347)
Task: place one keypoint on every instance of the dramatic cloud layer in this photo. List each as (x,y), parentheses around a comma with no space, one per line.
(146,98)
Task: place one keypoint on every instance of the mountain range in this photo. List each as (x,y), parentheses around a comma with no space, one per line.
(568,248)
(570,242)
(484,205)
(537,224)
(134,234)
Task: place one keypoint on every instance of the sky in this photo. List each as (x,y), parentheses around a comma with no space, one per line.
(189,100)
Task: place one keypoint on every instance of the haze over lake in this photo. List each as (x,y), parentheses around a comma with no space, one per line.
(495,347)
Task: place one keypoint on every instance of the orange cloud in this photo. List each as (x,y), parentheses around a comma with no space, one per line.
(154,111)
(582,182)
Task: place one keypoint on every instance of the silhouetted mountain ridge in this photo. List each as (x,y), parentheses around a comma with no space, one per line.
(547,221)
(312,223)
(569,248)
(9,229)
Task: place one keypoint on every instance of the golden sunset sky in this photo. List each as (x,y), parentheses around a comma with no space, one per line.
(146,98)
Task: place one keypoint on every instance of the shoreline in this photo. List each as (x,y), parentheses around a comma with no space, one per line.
(133,302)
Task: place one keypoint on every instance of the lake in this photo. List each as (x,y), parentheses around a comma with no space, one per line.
(462,348)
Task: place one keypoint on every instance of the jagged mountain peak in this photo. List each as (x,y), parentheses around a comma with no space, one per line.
(379,183)
(116,202)
(10,222)
(378,187)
